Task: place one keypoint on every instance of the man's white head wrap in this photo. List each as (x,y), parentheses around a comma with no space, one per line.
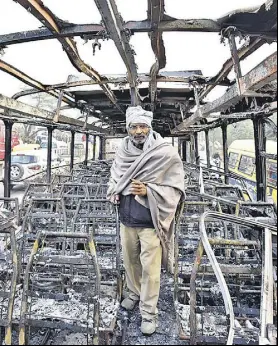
(137,115)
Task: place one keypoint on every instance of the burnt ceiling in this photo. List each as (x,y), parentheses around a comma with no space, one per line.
(177,98)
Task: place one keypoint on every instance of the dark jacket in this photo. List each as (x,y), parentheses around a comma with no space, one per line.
(133,214)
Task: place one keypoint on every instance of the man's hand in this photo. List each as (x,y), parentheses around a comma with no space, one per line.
(138,188)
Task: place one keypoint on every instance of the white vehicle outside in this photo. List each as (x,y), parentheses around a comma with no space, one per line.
(59,148)
(25,164)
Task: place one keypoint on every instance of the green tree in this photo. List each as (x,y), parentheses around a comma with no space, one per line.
(240,131)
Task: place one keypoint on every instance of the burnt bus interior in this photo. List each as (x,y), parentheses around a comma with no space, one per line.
(61,271)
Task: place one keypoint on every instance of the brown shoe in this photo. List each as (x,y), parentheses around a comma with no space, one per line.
(129,304)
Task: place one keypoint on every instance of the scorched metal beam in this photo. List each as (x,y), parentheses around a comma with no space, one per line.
(156,10)
(270,23)
(115,27)
(33,83)
(23,119)
(164,77)
(239,18)
(186,25)
(243,53)
(12,105)
(263,74)
(42,13)
(91,30)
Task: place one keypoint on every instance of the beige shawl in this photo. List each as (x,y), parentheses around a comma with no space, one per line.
(158,166)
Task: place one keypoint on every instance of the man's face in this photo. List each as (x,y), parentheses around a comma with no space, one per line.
(139,133)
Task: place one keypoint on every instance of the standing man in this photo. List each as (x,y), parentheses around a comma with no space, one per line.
(147,179)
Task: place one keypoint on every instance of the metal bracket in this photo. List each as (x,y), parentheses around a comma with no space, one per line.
(59,104)
(197,99)
(173,116)
(231,32)
(87,110)
(182,113)
(96,45)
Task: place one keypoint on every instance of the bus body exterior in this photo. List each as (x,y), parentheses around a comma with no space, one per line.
(242,162)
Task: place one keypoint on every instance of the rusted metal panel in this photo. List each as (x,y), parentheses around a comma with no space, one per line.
(22,108)
(115,26)
(261,75)
(230,119)
(189,25)
(43,14)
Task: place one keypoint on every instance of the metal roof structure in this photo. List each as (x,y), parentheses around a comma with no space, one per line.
(177,98)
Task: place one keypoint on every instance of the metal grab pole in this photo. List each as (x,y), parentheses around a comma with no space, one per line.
(102,148)
(192,150)
(86,150)
(260,147)
(225,152)
(208,149)
(180,147)
(8,158)
(72,146)
(196,146)
(49,154)
(95,147)
(184,150)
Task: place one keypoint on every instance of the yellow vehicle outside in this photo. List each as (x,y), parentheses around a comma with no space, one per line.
(242,162)
(26,147)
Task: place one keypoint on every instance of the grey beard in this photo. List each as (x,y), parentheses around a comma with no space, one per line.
(138,143)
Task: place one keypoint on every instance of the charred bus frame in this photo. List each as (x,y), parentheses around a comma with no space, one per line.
(174,110)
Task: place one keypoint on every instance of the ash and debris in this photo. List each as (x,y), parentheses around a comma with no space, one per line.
(70,311)
(67,311)
(109,309)
(167,327)
(5,257)
(172,320)
(55,337)
(62,337)
(212,324)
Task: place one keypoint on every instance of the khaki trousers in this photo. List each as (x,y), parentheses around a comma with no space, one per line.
(142,254)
